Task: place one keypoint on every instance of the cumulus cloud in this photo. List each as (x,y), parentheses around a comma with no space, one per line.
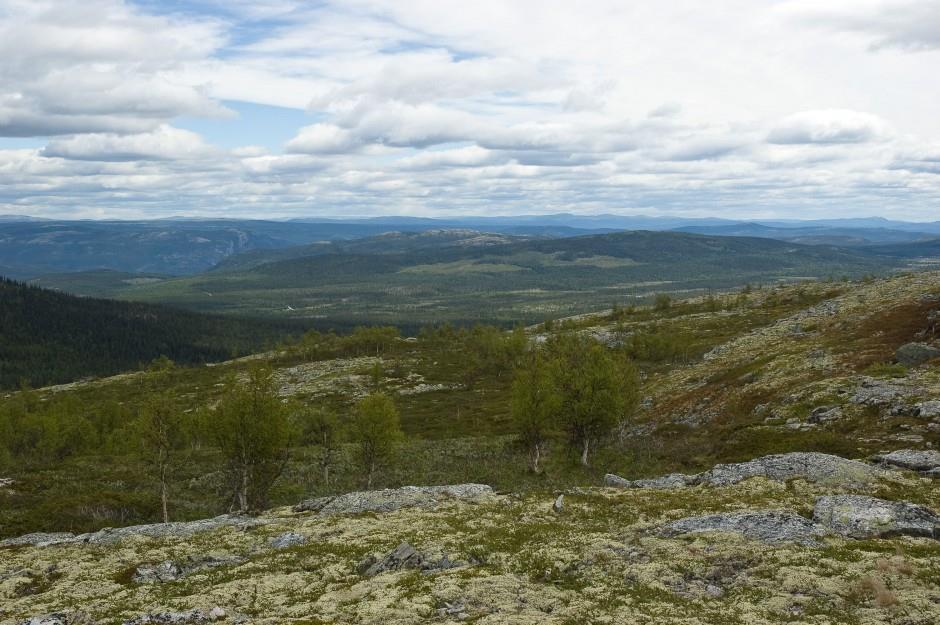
(907,24)
(433,107)
(96,66)
(165,143)
(831,126)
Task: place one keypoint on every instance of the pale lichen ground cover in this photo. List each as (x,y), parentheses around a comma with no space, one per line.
(601,560)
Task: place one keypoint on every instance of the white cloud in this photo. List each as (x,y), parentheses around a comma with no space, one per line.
(744,107)
(165,143)
(830,126)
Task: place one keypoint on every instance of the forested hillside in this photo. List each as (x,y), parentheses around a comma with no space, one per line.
(49,337)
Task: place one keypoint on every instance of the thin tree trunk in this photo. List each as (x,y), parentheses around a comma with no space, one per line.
(243,491)
(163,493)
(371,472)
(584,452)
(536,456)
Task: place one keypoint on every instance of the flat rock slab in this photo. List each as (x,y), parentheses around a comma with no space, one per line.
(915,460)
(392,499)
(154,530)
(769,526)
(810,466)
(912,354)
(859,516)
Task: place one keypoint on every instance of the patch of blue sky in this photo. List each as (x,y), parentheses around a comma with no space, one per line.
(22,143)
(255,124)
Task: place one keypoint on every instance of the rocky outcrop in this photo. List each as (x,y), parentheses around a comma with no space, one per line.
(928,409)
(810,466)
(913,354)
(769,526)
(287,539)
(392,499)
(673,480)
(169,571)
(178,618)
(404,556)
(155,530)
(927,461)
(859,516)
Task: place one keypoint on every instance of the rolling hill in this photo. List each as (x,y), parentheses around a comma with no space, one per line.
(506,282)
(51,337)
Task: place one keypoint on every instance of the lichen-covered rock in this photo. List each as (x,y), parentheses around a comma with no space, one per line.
(154,530)
(810,466)
(404,556)
(58,618)
(913,459)
(288,539)
(169,571)
(859,516)
(769,526)
(673,480)
(178,618)
(39,539)
(392,499)
(913,354)
(927,409)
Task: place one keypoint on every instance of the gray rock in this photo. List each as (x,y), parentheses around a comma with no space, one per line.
(673,480)
(154,530)
(57,618)
(769,526)
(915,460)
(392,499)
(927,409)
(288,539)
(877,392)
(169,571)
(404,556)
(178,618)
(39,539)
(825,414)
(913,354)
(559,504)
(860,516)
(810,466)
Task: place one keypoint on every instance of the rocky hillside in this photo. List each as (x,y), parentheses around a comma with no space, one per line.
(783,468)
(808,538)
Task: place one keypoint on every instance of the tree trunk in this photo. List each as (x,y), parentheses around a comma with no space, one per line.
(163,493)
(584,452)
(535,456)
(243,491)
(371,472)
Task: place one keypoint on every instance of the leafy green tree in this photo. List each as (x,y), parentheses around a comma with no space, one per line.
(535,405)
(253,430)
(662,302)
(593,396)
(376,430)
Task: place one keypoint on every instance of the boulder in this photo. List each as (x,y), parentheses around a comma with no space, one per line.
(39,539)
(915,460)
(673,480)
(810,466)
(404,556)
(154,530)
(860,516)
(878,392)
(170,571)
(913,354)
(559,504)
(288,539)
(769,526)
(57,618)
(392,499)
(178,618)
(927,409)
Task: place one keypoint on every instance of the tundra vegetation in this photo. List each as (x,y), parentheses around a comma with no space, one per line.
(535,412)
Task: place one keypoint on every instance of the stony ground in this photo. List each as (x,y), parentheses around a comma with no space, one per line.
(788,539)
(596,555)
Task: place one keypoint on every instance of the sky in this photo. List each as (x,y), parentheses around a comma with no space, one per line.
(742,109)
